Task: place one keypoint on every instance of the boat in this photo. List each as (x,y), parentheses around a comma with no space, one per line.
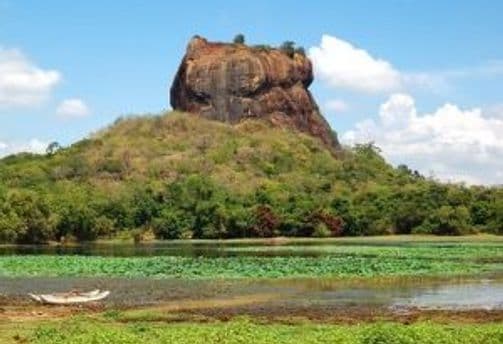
(73,297)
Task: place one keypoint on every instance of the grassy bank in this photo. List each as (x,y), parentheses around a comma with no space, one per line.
(84,330)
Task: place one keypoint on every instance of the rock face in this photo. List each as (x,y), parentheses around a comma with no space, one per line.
(232,82)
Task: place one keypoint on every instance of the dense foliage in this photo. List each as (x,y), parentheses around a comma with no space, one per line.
(243,331)
(180,176)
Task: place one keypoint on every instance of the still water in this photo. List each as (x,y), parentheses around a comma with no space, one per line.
(273,294)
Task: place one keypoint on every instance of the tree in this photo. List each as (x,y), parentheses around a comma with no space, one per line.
(10,224)
(78,220)
(496,223)
(172,224)
(239,39)
(288,47)
(52,148)
(300,51)
(31,217)
(447,220)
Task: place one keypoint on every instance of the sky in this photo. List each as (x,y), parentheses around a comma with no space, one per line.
(423,80)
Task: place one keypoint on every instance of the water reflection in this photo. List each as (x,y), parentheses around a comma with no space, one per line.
(291,294)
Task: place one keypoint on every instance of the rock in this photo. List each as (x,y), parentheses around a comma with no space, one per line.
(233,82)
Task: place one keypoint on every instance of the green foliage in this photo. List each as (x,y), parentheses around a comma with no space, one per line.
(184,176)
(172,224)
(242,261)
(496,218)
(245,331)
(263,47)
(321,231)
(288,47)
(300,51)
(447,220)
(25,218)
(87,330)
(239,39)
(52,148)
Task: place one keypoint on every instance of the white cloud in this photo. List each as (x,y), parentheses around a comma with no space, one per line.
(31,146)
(337,105)
(455,144)
(344,66)
(22,83)
(71,108)
(489,69)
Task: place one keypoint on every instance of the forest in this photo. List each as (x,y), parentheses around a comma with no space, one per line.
(178,176)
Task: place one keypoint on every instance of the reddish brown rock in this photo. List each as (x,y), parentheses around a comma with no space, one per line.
(232,82)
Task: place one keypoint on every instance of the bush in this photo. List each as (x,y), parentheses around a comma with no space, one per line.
(288,47)
(30,216)
(103,226)
(321,231)
(495,224)
(300,51)
(172,224)
(239,39)
(266,222)
(447,220)
(78,220)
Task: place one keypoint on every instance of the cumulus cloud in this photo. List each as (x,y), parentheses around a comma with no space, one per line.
(72,108)
(336,105)
(32,146)
(343,65)
(22,83)
(452,143)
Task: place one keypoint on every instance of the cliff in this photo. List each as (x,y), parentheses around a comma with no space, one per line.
(232,82)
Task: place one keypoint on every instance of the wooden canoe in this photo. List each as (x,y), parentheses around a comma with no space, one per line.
(71,297)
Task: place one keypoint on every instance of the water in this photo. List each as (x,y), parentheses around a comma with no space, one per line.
(272,295)
(484,294)
(264,296)
(269,248)
(188,249)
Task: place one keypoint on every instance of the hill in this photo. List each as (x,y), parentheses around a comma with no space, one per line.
(178,175)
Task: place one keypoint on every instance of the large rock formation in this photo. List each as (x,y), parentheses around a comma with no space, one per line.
(232,82)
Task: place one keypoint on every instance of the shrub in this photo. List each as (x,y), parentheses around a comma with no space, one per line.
(266,222)
(288,47)
(30,216)
(300,51)
(447,220)
(172,224)
(103,226)
(78,220)
(321,231)
(239,39)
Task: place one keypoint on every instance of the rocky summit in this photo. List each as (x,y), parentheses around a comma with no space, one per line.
(233,82)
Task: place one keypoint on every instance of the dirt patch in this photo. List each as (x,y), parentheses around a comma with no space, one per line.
(33,312)
(295,315)
(259,308)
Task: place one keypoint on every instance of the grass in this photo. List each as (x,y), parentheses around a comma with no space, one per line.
(88,330)
(164,147)
(459,251)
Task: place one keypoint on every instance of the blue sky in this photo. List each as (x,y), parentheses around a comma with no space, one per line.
(114,58)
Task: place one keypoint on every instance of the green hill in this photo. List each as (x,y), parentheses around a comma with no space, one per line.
(181,176)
